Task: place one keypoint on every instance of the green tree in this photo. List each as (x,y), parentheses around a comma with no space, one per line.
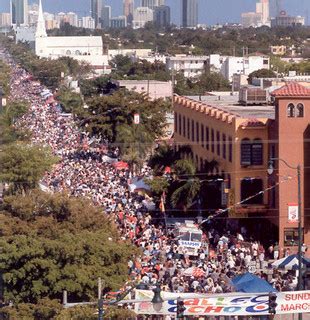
(23,165)
(187,185)
(112,117)
(70,101)
(262,73)
(52,243)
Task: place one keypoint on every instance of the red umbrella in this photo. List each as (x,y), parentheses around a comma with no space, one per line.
(194,272)
(121,165)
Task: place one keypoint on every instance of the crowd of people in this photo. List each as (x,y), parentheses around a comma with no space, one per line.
(84,171)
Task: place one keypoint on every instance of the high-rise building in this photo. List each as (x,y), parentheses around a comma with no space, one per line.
(128,7)
(152,4)
(96,7)
(189,13)
(262,8)
(106,17)
(162,16)
(5,19)
(141,16)
(19,12)
(87,22)
(118,22)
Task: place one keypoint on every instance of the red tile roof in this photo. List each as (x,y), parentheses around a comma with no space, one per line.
(292,89)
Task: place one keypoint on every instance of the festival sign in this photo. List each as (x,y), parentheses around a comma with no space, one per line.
(229,304)
(293,215)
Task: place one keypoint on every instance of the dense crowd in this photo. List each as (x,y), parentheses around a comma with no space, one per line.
(84,171)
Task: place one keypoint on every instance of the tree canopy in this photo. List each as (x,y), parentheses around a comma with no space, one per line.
(52,243)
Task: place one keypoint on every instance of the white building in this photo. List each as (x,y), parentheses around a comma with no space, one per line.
(260,17)
(132,53)
(194,66)
(72,19)
(141,16)
(5,19)
(25,34)
(88,49)
(243,65)
(191,66)
(154,89)
(87,22)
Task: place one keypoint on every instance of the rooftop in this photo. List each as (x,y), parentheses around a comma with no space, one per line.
(230,104)
(292,89)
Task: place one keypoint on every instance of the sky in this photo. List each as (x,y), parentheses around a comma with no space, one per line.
(210,11)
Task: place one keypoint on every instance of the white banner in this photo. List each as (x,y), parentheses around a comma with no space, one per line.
(292,213)
(230,304)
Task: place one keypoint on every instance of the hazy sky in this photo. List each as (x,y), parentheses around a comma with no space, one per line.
(210,11)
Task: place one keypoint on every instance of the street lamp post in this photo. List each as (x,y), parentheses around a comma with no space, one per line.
(298,169)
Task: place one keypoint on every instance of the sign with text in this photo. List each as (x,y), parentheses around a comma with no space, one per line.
(293,214)
(229,304)
(136,118)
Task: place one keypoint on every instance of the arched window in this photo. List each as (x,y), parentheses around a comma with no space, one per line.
(68,52)
(290,111)
(246,152)
(77,52)
(300,110)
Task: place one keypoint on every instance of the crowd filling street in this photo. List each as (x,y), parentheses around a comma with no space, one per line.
(84,171)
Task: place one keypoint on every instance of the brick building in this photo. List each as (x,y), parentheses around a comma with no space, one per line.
(242,139)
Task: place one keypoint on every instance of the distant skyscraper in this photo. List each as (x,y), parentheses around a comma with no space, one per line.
(262,8)
(128,8)
(96,7)
(189,13)
(19,12)
(152,4)
(106,17)
(162,16)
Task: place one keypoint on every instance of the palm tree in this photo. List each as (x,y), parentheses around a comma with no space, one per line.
(134,143)
(187,185)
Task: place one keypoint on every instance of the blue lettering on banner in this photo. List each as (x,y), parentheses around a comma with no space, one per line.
(190,244)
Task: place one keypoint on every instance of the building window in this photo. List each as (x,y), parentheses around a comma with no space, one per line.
(265,61)
(257,152)
(230,149)
(291,237)
(224,146)
(180,124)
(197,132)
(193,131)
(188,128)
(246,152)
(251,152)
(300,110)
(212,140)
(207,138)
(250,191)
(175,122)
(202,135)
(183,126)
(218,143)
(290,111)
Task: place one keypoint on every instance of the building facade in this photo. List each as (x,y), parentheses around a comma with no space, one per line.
(5,19)
(285,20)
(96,7)
(152,4)
(141,16)
(189,13)
(242,139)
(19,12)
(106,16)
(128,8)
(162,16)
(119,22)
(191,66)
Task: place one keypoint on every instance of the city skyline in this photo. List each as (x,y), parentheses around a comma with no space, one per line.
(210,12)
